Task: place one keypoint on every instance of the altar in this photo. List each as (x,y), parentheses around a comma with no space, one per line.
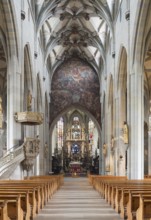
(75,168)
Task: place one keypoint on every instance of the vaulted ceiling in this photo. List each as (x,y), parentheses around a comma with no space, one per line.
(76,28)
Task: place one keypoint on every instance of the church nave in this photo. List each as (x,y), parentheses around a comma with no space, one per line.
(76,200)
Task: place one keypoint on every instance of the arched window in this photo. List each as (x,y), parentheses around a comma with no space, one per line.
(76,128)
(91,131)
(60,128)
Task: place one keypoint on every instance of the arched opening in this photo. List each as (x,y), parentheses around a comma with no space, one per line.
(145,149)
(147,107)
(3,100)
(75,82)
(75,143)
(109,159)
(75,88)
(28,85)
(122,90)
(28,102)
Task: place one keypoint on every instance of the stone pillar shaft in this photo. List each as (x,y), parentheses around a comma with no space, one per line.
(136,126)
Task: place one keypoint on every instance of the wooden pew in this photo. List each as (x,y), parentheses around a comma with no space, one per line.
(32,197)
(14,210)
(33,193)
(126,204)
(144,209)
(3,210)
(134,204)
(25,205)
(124,195)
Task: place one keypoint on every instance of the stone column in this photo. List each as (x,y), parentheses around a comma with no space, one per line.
(13,102)
(102,144)
(149,148)
(101,158)
(136,126)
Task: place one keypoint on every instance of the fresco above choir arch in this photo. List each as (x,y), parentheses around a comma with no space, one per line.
(75,82)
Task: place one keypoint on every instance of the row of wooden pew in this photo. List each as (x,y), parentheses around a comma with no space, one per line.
(130,198)
(23,199)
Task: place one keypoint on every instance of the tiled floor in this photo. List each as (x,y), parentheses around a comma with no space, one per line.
(77,200)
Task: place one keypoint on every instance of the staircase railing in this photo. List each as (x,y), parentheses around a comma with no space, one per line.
(12,155)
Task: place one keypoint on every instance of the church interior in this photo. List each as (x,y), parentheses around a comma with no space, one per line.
(75,106)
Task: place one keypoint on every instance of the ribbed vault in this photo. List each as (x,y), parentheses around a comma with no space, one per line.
(76,28)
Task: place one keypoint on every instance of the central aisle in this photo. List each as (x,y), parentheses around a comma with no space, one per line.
(77,200)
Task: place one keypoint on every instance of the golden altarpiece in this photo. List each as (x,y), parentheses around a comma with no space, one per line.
(77,148)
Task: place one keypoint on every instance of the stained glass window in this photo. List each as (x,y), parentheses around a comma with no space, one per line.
(76,128)
(91,131)
(60,128)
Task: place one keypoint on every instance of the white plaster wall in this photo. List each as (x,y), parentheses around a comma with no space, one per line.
(27,36)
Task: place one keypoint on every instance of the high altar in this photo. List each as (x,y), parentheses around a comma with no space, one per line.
(76,149)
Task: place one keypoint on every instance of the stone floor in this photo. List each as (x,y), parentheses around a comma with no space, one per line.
(77,200)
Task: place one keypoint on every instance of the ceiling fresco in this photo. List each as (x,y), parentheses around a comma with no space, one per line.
(75,83)
(74,36)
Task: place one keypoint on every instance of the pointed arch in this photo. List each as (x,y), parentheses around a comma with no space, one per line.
(39,94)
(28,69)
(4,42)
(138,39)
(122,84)
(10,20)
(110,90)
(28,82)
(122,69)
(75,106)
(110,106)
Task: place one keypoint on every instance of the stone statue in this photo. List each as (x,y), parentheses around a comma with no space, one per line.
(29,101)
(125,133)
(104,149)
(46,150)
(112,143)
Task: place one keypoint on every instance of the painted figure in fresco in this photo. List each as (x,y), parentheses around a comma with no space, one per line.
(76,74)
